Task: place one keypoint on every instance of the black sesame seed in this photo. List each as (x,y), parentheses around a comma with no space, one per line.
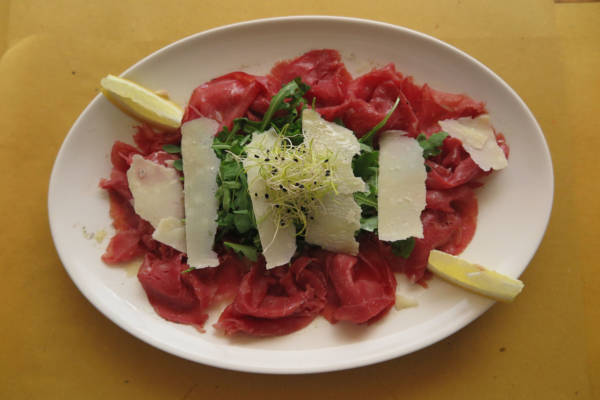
(267,159)
(301,186)
(327,173)
(256,156)
(295,159)
(266,195)
(327,160)
(255,194)
(276,205)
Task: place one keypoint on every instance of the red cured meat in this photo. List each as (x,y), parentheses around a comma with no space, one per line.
(150,141)
(185,298)
(277,301)
(365,287)
(372,97)
(454,166)
(229,97)
(431,106)
(216,284)
(449,223)
(322,70)
(167,291)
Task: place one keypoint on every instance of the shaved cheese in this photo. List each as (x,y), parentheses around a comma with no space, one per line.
(478,139)
(403,301)
(278,243)
(200,167)
(156,189)
(324,135)
(401,196)
(171,231)
(335,223)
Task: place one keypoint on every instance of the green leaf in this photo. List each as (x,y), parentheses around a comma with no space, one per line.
(368,137)
(190,269)
(247,251)
(178,165)
(363,199)
(242,222)
(403,248)
(366,164)
(172,148)
(432,146)
(369,224)
(293,90)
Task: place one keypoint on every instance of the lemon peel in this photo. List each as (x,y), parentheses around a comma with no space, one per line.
(141,103)
(474,277)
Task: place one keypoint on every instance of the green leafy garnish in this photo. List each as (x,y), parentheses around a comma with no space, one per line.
(178,165)
(293,92)
(247,251)
(368,137)
(172,148)
(403,248)
(432,146)
(235,216)
(369,224)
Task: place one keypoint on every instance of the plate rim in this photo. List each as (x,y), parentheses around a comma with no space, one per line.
(335,365)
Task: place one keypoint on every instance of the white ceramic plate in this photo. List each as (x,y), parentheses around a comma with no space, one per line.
(514,205)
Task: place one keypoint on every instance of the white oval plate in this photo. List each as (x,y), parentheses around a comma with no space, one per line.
(514,205)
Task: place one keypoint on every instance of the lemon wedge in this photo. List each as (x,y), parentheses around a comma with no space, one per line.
(142,103)
(474,277)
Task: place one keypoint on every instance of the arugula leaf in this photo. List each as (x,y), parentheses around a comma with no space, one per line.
(369,224)
(172,148)
(235,216)
(364,199)
(368,137)
(249,252)
(432,146)
(403,248)
(178,165)
(294,91)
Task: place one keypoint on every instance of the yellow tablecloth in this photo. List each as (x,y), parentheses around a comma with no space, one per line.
(54,344)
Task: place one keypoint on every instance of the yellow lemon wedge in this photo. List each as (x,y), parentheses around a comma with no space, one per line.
(474,277)
(142,103)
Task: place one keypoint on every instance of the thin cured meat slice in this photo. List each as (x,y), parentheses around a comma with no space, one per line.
(170,296)
(150,140)
(214,285)
(431,106)
(455,167)
(364,286)
(186,297)
(228,97)
(449,223)
(372,96)
(232,322)
(276,302)
(133,238)
(127,244)
(322,70)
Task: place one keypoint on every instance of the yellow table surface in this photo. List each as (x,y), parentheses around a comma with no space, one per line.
(56,345)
